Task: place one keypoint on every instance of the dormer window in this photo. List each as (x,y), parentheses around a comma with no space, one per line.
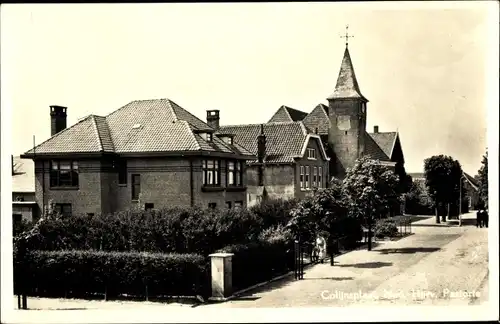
(226,138)
(311,154)
(207,137)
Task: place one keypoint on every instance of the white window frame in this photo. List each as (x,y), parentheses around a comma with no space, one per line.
(311,154)
(307,179)
(302,177)
(320,177)
(315,176)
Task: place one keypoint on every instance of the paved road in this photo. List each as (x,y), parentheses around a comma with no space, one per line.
(437,265)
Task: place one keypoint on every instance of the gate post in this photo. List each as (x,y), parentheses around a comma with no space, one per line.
(222,276)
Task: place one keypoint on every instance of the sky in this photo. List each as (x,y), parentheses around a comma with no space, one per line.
(422,66)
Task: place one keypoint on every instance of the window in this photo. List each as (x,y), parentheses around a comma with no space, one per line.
(17,218)
(239,173)
(228,204)
(136,186)
(307,178)
(230,173)
(315,176)
(311,153)
(238,204)
(64,174)
(149,206)
(122,171)
(63,209)
(301,177)
(212,205)
(320,177)
(211,173)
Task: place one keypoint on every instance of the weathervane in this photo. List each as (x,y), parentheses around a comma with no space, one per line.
(346,35)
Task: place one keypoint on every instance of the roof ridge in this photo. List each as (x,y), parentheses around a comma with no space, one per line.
(303,127)
(285,108)
(97,133)
(193,137)
(57,134)
(187,111)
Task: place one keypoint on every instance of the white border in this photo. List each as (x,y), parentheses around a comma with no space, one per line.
(202,314)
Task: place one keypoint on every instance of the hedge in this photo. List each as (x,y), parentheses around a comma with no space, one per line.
(386,228)
(269,256)
(174,230)
(84,273)
(259,261)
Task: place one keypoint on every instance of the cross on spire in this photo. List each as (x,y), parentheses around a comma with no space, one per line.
(346,35)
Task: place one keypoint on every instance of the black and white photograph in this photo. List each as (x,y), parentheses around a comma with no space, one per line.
(249,162)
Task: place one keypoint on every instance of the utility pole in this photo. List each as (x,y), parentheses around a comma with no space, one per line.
(460,202)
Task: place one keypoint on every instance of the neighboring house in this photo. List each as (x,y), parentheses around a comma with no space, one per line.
(290,160)
(341,126)
(147,154)
(23,190)
(470,187)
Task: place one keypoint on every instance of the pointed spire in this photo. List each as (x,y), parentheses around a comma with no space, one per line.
(347,85)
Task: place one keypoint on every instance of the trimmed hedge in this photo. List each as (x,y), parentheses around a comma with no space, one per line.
(175,230)
(259,261)
(84,273)
(269,256)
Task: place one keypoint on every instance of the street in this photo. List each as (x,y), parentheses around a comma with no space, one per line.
(437,265)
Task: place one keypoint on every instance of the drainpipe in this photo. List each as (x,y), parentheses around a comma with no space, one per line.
(191,181)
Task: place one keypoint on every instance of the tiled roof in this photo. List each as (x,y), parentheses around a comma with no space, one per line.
(284,140)
(81,137)
(385,141)
(157,125)
(23,179)
(472,181)
(318,118)
(347,84)
(287,114)
(373,149)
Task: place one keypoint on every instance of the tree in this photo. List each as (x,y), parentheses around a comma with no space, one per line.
(370,189)
(442,179)
(483,180)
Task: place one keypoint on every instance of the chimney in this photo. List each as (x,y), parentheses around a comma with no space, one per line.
(261,145)
(316,131)
(213,119)
(375,129)
(57,119)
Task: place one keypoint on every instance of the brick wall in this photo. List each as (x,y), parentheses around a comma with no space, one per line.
(348,142)
(164,182)
(85,199)
(319,162)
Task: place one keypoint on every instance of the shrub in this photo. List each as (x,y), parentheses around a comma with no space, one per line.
(79,273)
(174,230)
(385,228)
(259,261)
(274,212)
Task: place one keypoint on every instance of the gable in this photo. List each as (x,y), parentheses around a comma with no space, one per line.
(286,114)
(318,118)
(315,143)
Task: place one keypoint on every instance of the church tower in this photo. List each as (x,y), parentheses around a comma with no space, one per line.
(347,113)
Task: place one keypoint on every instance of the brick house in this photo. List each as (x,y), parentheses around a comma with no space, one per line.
(23,189)
(147,154)
(290,160)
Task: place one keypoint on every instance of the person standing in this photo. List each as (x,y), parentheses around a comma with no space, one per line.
(321,248)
